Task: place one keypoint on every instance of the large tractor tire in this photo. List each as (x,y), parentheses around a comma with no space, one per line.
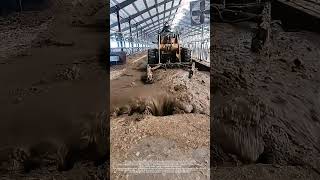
(153,56)
(185,55)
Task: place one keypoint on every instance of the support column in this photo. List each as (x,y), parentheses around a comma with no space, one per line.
(137,36)
(131,39)
(141,38)
(119,27)
(202,43)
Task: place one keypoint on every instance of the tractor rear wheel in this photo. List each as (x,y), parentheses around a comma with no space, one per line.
(152,56)
(185,55)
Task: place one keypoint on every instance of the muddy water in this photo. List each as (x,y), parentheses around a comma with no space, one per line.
(129,85)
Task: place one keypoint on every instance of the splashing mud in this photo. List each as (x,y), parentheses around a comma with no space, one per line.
(237,128)
(158,105)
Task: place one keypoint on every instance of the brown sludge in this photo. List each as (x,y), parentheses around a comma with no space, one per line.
(266,105)
(163,121)
(53,120)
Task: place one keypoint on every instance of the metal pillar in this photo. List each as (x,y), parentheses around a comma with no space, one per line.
(201,48)
(137,36)
(145,40)
(159,52)
(131,39)
(119,27)
(141,35)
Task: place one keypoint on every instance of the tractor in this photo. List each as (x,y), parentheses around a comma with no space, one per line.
(169,54)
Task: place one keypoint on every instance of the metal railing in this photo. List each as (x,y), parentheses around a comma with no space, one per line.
(199,44)
(130,45)
(129,50)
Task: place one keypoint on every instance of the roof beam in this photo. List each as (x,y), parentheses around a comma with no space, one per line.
(165,7)
(151,17)
(157,9)
(145,3)
(134,5)
(137,14)
(113,9)
(176,9)
(188,27)
(152,27)
(171,6)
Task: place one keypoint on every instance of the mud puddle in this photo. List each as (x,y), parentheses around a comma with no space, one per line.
(130,87)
